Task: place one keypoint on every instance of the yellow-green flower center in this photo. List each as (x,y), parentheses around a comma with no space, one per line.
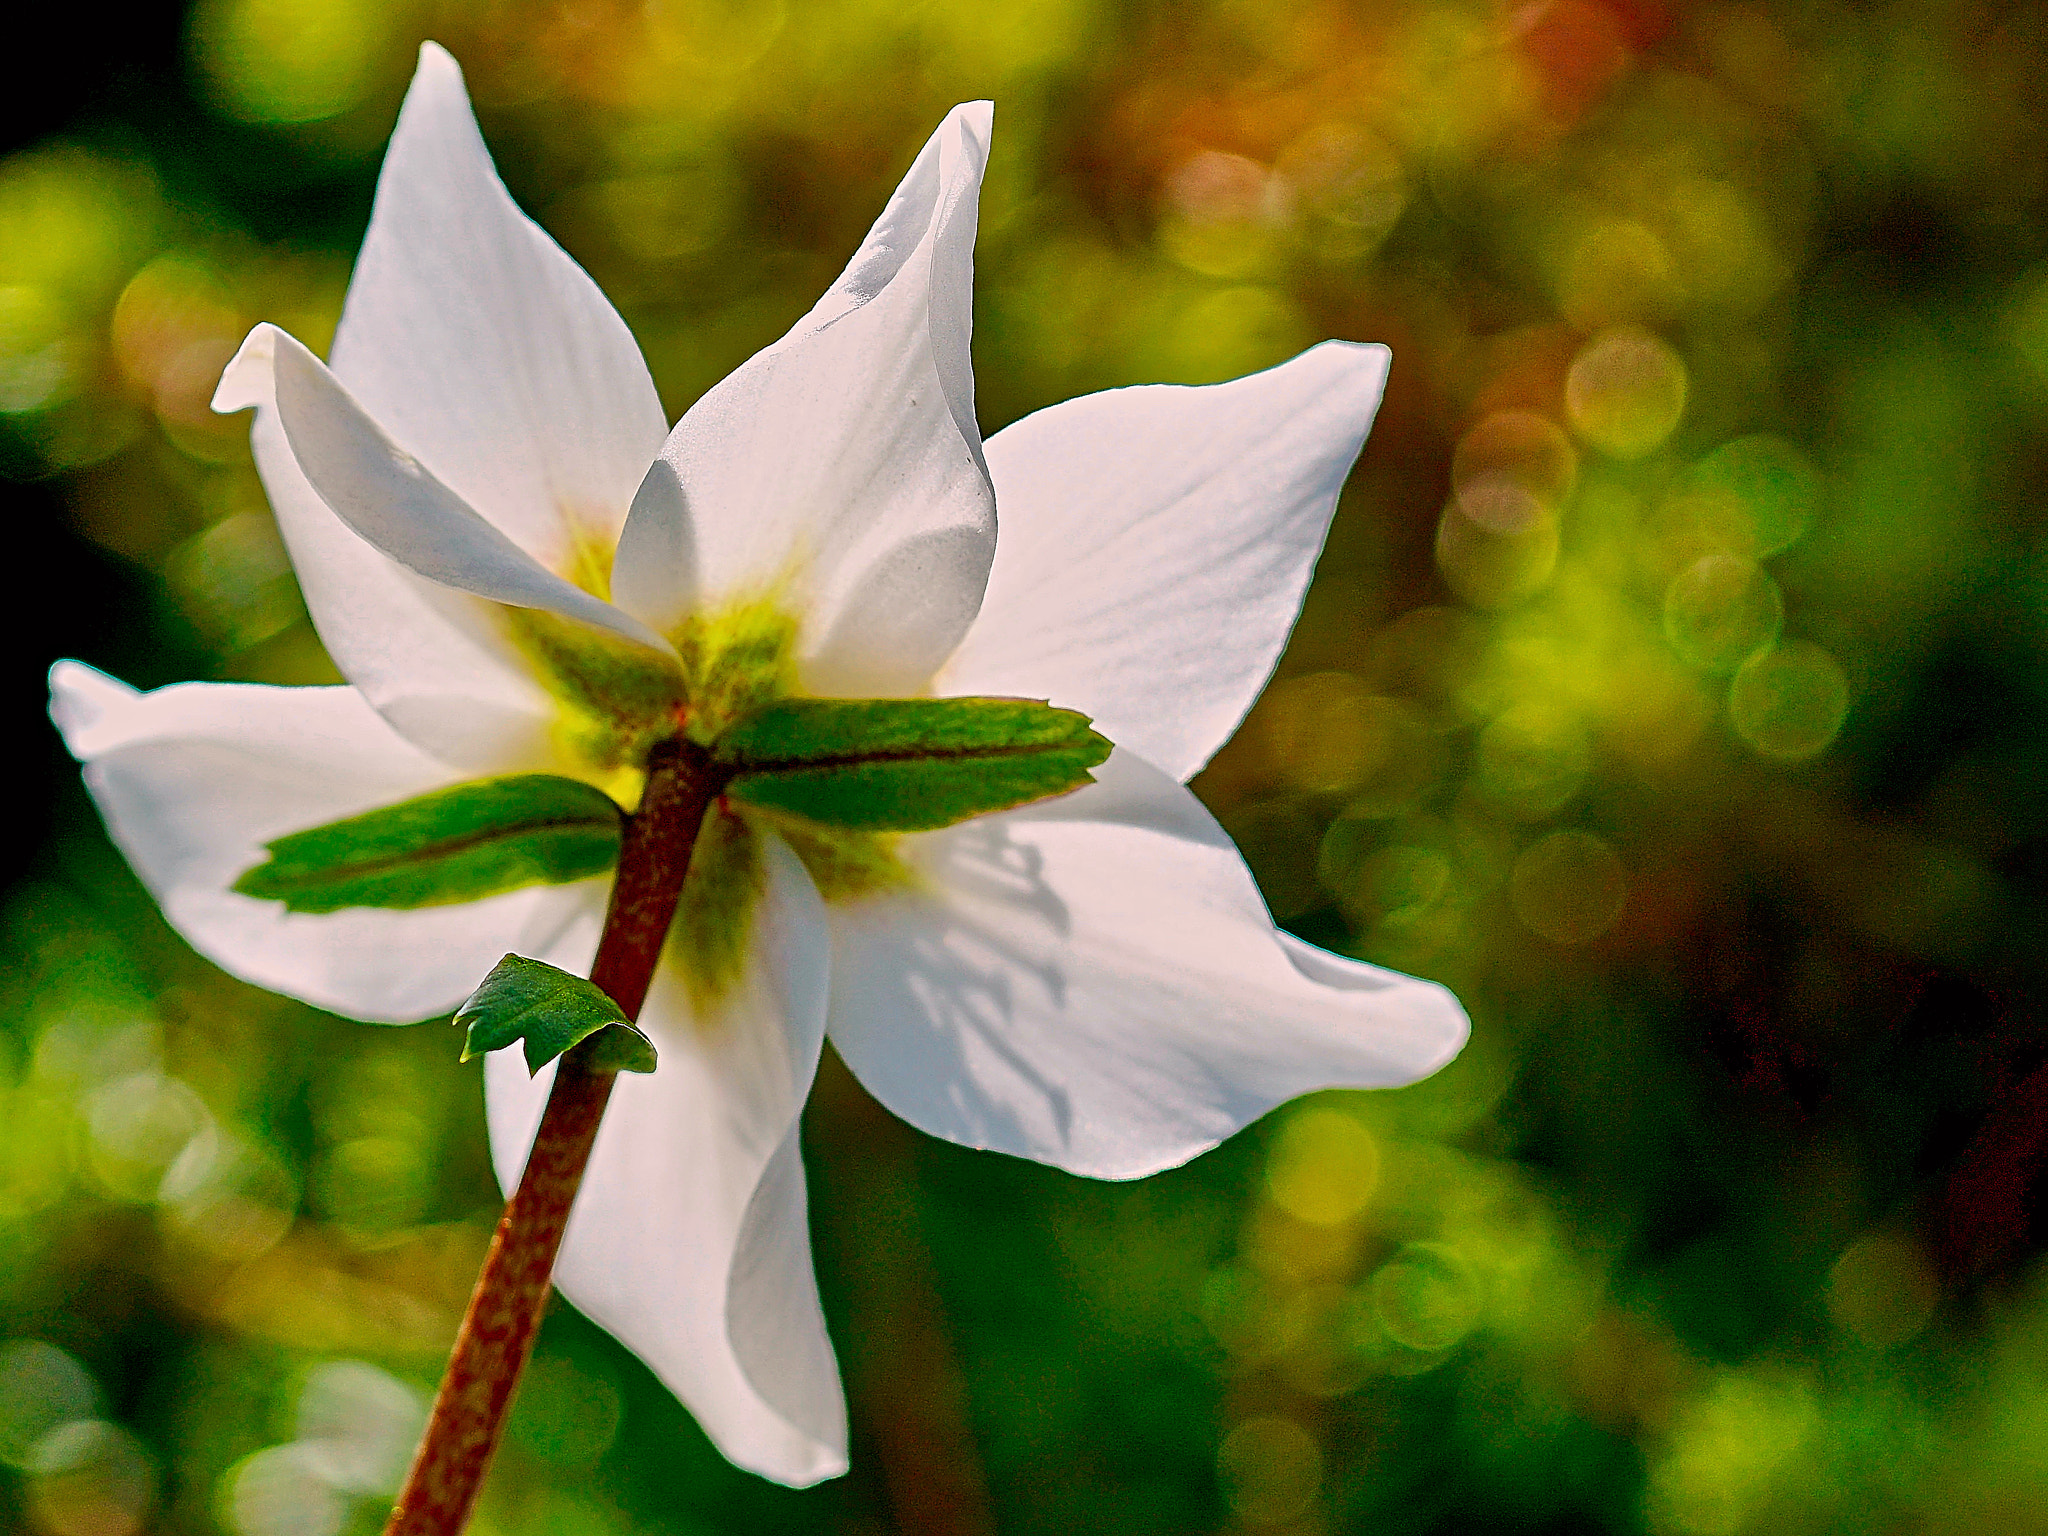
(618,700)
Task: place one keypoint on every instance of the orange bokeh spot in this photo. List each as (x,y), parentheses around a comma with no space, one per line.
(1577,47)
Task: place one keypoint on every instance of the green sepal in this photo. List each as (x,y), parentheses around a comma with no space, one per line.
(906,765)
(551,1011)
(459,844)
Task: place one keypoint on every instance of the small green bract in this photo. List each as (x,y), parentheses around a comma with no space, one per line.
(551,1011)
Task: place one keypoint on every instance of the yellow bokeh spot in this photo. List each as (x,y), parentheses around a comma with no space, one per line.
(1568,887)
(1882,1290)
(1532,760)
(73,224)
(174,328)
(1401,885)
(1617,270)
(90,1478)
(40,359)
(373,1184)
(1720,611)
(1327,733)
(290,61)
(1790,701)
(1223,214)
(1271,1469)
(140,1125)
(1526,449)
(1233,331)
(1626,391)
(35,1157)
(1731,1448)
(1722,246)
(232,1200)
(1323,1167)
(1496,543)
(1349,183)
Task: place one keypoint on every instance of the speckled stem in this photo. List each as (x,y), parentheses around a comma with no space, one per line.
(512,1291)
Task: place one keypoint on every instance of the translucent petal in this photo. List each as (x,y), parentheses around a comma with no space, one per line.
(1156,545)
(688,1242)
(1094,982)
(842,467)
(195,778)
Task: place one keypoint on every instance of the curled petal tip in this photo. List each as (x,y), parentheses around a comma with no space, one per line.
(966,132)
(1366,362)
(87,707)
(977,117)
(246,380)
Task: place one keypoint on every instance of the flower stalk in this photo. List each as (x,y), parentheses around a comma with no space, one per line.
(505,1310)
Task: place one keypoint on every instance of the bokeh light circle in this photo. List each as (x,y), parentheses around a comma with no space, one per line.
(568,1414)
(1271,1469)
(1754,496)
(1525,448)
(1426,1297)
(1323,1167)
(279,1491)
(1720,611)
(1626,391)
(1569,887)
(1532,760)
(359,1425)
(90,1478)
(1790,701)
(1496,543)
(41,1388)
(290,61)
(1882,1290)
(1325,732)
(1616,269)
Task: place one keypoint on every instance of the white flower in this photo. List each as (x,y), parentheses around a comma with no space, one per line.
(1091,981)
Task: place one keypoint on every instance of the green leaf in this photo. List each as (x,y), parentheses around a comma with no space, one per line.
(460,844)
(907,765)
(551,1011)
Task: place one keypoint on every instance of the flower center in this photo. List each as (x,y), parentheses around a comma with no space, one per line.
(618,701)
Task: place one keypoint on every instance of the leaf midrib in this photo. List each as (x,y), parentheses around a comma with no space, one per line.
(746,769)
(332,873)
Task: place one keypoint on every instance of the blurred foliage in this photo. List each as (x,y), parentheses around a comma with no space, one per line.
(1672,687)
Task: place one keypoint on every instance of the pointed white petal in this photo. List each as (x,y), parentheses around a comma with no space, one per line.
(439,664)
(1095,983)
(688,1240)
(844,461)
(1156,545)
(194,779)
(484,349)
(389,498)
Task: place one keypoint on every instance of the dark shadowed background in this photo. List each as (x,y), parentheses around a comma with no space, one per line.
(1672,687)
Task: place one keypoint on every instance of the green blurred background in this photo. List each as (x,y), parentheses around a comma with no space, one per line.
(1672,687)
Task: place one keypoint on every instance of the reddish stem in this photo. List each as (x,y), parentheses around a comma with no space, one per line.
(512,1291)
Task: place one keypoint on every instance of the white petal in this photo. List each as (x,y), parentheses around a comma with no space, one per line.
(387,497)
(485,351)
(1095,983)
(844,462)
(438,664)
(194,779)
(688,1241)
(1156,545)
